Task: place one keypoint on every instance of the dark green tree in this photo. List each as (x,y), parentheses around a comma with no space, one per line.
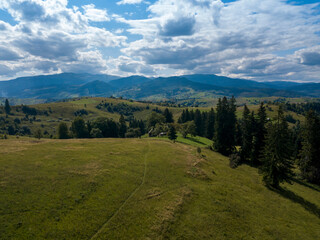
(225,126)
(247,134)
(38,134)
(309,161)
(210,121)
(122,127)
(63,132)
(79,128)
(276,160)
(172,133)
(198,122)
(7,107)
(259,132)
(155,118)
(96,133)
(168,116)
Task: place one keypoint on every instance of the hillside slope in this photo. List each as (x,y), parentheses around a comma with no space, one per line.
(143,189)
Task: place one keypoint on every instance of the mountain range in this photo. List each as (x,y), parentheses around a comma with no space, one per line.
(68,85)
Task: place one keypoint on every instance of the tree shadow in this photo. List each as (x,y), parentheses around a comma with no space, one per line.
(312,208)
(195,140)
(305,184)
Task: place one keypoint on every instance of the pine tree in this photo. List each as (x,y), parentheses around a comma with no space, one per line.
(247,134)
(122,127)
(309,161)
(198,122)
(168,116)
(225,126)
(7,107)
(276,161)
(172,134)
(210,124)
(259,131)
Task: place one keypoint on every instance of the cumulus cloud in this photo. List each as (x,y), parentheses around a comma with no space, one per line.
(309,56)
(95,15)
(53,37)
(235,39)
(244,38)
(129,2)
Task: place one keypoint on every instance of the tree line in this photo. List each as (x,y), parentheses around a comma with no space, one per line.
(269,143)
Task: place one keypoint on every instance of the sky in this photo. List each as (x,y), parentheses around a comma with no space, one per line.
(260,40)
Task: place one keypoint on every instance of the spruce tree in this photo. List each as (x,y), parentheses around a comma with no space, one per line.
(172,134)
(247,136)
(198,122)
(122,127)
(309,161)
(259,131)
(225,126)
(7,107)
(168,116)
(276,161)
(210,124)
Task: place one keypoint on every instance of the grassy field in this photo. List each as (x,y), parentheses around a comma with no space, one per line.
(143,189)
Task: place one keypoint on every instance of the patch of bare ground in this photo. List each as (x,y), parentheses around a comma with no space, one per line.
(194,163)
(170,214)
(90,169)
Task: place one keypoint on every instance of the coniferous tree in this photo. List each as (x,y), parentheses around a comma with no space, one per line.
(198,122)
(309,161)
(7,107)
(210,124)
(172,134)
(224,140)
(247,135)
(276,160)
(259,131)
(122,127)
(168,116)
(182,117)
(187,116)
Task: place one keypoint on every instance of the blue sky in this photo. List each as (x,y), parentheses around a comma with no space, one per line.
(253,39)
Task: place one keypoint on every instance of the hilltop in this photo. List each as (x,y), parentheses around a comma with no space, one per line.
(143,189)
(71,85)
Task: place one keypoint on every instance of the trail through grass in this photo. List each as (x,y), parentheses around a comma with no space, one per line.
(130,196)
(143,189)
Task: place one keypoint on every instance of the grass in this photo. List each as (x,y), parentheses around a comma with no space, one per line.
(143,189)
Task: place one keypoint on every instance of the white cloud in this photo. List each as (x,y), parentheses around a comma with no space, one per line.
(129,2)
(95,15)
(208,36)
(239,39)
(49,33)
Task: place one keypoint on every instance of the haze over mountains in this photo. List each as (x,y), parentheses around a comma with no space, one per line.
(68,85)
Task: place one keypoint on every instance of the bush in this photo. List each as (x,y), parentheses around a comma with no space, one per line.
(234,160)
(96,133)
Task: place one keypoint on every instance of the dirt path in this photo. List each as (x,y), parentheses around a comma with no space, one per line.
(130,196)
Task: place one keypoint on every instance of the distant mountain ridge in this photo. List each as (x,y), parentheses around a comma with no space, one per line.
(68,85)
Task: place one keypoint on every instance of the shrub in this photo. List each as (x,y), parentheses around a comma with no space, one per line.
(234,160)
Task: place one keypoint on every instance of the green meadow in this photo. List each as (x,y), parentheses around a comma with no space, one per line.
(143,189)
